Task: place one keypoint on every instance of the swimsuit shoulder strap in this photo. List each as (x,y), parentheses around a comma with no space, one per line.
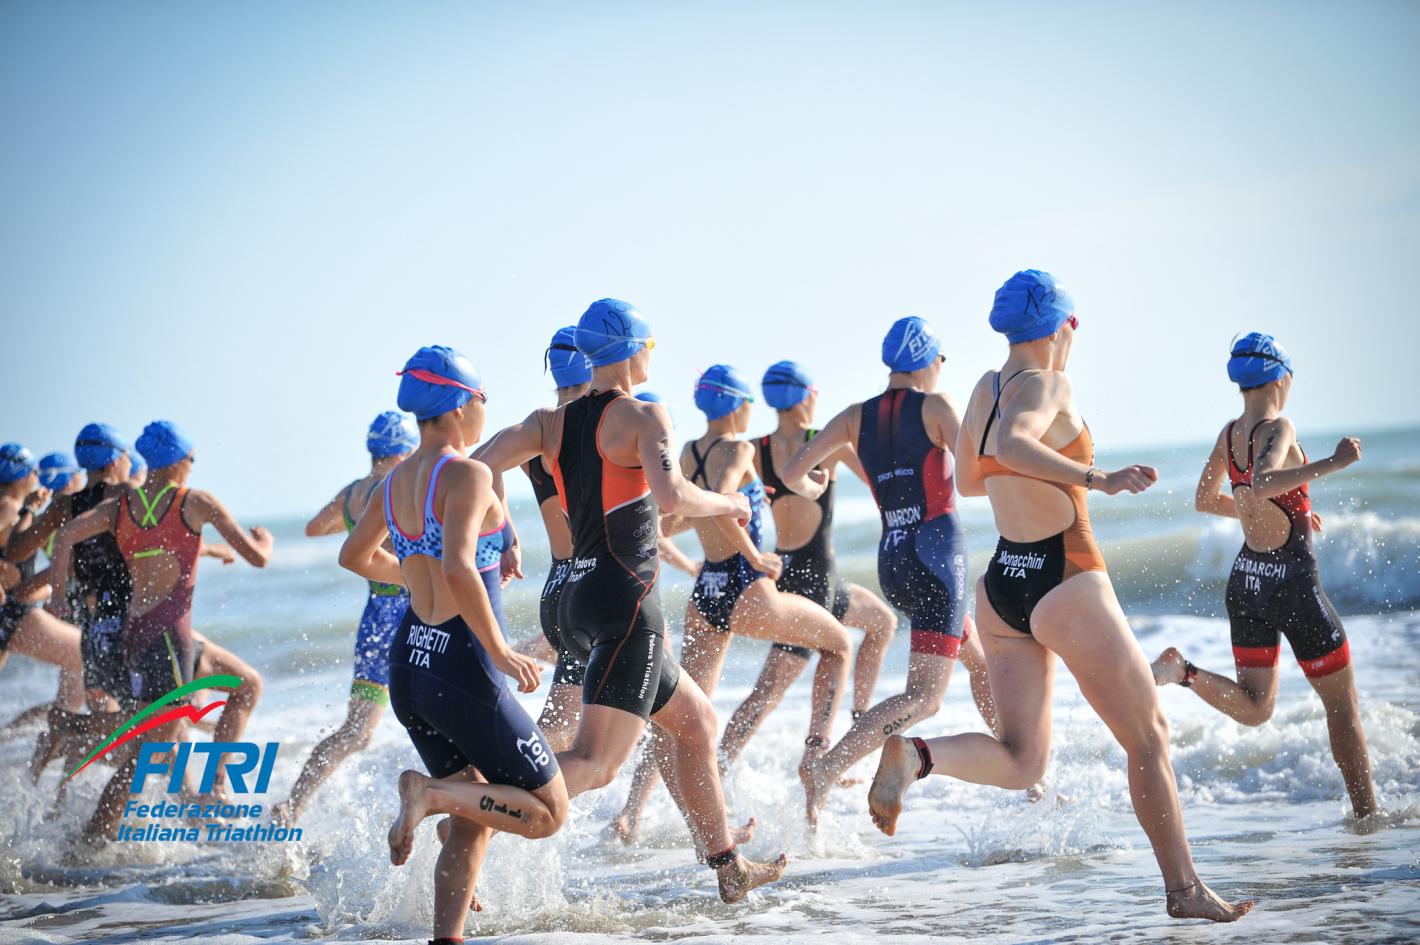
(996,405)
(698,474)
(390,522)
(434,483)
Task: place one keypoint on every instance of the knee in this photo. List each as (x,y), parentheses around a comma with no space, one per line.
(1257,712)
(1152,732)
(700,728)
(927,701)
(249,692)
(882,622)
(1027,767)
(357,737)
(546,822)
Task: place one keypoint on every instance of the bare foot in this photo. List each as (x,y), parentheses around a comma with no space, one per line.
(284,813)
(625,828)
(413,808)
(1168,668)
(739,877)
(897,769)
(1200,902)
(1037,791)
(811,773)
(744,834)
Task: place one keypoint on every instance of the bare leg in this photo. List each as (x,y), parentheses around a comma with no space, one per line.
(765,613)
(456,875)
(871,614)
(1115,679)
(110,809)
(1348,741)
(217,659)
(560,715)
(689,721)
(44,637)
(973,657)
(927,678)
(1250,700)
(361,717)
(702,654)
(780,670)
(533,814)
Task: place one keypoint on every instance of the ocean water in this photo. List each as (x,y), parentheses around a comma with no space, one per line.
(1265,807)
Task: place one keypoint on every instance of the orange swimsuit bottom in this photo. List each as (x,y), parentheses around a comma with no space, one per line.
(1021,573)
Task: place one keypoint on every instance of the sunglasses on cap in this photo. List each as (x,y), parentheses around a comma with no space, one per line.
(429,377)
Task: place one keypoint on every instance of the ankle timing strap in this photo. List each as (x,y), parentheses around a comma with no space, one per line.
(721,859)
(924,758)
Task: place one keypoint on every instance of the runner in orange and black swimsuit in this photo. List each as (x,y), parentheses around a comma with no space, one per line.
(1021,573)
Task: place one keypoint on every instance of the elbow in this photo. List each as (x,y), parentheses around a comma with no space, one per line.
(312,531)
(671,504)
(456,571)
(258,559)
(347,557)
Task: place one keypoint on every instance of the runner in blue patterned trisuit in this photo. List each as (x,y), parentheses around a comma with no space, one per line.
(391,437)
(447,528)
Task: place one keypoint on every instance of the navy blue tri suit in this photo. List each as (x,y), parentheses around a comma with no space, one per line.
(570,670)
(720,583)
(610,614)
(445,690)
(922,558)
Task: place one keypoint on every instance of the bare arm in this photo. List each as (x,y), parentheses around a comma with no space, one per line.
(1269,479)
(674,494)
(94,522)
(468,499)
(364,550)
(1026,418)
(254,547)
(673,556)
(25,543)
(330,519)
(799,474)
(512,446)
(731,475)
(1210,498)
(942,421)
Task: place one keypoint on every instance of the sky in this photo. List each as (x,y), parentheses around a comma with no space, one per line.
(245,216)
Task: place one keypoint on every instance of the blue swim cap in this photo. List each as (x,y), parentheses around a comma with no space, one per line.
(910,344)
(436,380)
(786,384)
(163,443)
(16,463)
(1029,306)
(720,391)
(56,469)
(391,434)
(570,367)
(650,397)
(135,462)
(1257,359)
(611,331)
(97,445)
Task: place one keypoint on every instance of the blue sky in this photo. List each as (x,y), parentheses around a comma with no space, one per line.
(245,216)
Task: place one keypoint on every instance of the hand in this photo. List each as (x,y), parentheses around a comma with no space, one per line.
(262,537)
(510,565)
(814,484)
(741,507)
(1348,451)
(770,565)
(222,552)
(37,500)
(1316,522)
(523,669)
(1134,479)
